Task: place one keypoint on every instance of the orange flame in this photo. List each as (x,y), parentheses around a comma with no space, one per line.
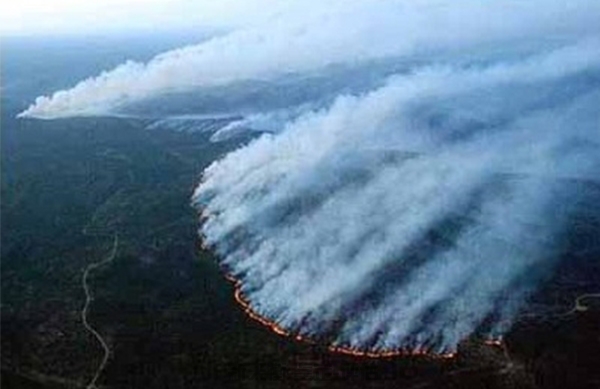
(279,330)
(355,352)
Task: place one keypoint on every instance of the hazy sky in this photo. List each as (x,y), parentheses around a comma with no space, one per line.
(51,17)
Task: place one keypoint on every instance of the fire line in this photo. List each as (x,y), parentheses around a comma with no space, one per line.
(276,328)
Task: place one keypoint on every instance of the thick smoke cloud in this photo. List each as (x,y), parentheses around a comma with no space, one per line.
(417,213)
(418,165)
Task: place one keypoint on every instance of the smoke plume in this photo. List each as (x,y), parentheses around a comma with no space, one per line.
(313,35)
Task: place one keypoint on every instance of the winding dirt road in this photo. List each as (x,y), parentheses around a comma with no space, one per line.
(84,312)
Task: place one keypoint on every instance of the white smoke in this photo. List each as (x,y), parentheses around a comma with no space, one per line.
(319,34)
(414,214)
(418,166)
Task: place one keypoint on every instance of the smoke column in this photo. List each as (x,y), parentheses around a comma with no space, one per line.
(415,214)
(418,188)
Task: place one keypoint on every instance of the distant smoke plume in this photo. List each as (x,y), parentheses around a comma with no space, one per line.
(413,196)
(317,34)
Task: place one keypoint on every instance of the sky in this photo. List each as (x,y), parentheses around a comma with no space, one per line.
(75,17)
